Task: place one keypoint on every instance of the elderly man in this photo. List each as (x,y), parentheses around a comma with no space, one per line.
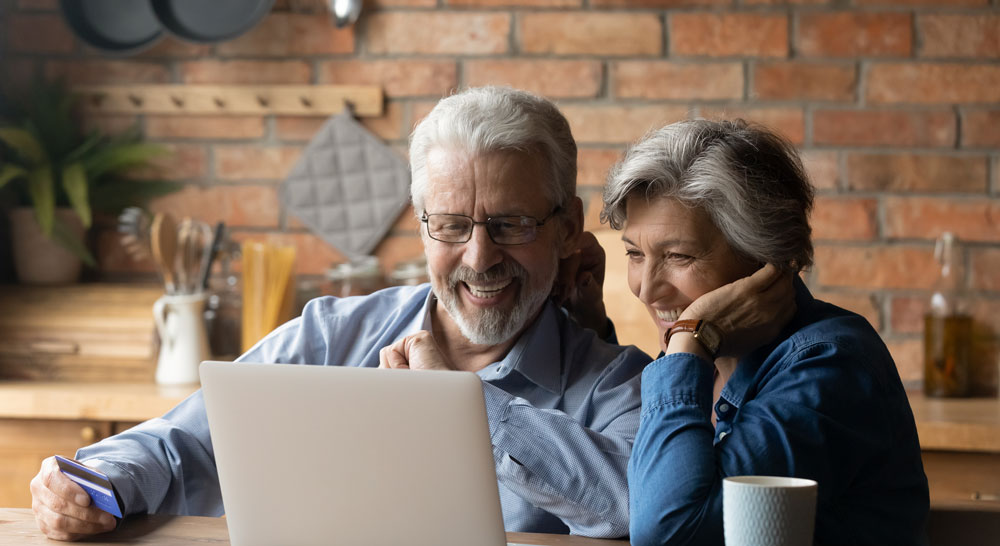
(494,179)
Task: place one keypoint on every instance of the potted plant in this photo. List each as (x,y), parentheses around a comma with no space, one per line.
(60,177)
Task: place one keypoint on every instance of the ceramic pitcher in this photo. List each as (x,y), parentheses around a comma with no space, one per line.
(183,339)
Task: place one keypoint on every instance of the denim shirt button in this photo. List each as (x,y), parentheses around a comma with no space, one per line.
(723,408)
(722,435)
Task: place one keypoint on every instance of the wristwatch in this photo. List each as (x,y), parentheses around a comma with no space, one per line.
(705,332)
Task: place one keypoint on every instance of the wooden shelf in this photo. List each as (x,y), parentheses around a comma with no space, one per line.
(102,401)
(290,100)
(957,424)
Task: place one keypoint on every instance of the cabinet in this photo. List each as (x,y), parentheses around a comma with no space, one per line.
(39,419)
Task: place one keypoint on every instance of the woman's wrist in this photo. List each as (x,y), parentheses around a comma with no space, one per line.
(684,342)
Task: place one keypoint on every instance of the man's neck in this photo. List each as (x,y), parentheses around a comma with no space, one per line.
(461,352)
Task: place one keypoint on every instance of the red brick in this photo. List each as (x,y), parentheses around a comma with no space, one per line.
(656,3)
(204,127)
(910,129)
(246,72)
(183,162)
(548,77)
(907,314)
(618,123)
(785,2)
(515,3)
(728,34)
(935,3)
(18,73)
(237,206)
(579,33)
(795,80)
(440,33)
(378,4)
(670,80)
(981,129)
(985,269)
(388,126)
(406,224)
(875,266)
(843,219)
(174,48)
(976,36)
(906,172)
(970,219)
(928,83)
(38,33)
(419,110)
(398,78)
(788,122)
(592,206)
(593,164)
(823,168)
(291,35)
(254,162)
(909,357)
(103,72)
(863,304)
(854,34)
(398,248)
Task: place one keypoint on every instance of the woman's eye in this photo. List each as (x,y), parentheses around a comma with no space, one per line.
(633,254)
(674,257)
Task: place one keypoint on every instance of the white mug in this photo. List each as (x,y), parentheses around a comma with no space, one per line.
(768,511)
(180,320)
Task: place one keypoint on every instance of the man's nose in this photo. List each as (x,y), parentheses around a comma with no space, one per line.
(480,252)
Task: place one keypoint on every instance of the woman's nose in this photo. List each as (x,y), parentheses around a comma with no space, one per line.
(480,252)
(653,284)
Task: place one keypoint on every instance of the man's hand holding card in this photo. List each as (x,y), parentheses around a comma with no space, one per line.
(71,500)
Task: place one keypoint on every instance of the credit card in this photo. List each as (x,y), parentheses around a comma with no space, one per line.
(95,483)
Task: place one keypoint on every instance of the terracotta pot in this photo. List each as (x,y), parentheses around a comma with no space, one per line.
(39,259)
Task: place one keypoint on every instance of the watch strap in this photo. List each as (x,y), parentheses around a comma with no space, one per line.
(695,327)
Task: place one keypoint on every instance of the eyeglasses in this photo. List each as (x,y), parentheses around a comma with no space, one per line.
(503,230)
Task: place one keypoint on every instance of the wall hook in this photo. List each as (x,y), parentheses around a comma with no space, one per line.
(306,102)
(219,102)
(97,99)
(178,102)
(262,101)
(135,100)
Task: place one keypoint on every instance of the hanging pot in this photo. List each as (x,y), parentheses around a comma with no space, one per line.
(39,259)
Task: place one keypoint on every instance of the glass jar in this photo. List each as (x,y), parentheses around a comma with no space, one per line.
(409,273)
(947,328)
(355,278)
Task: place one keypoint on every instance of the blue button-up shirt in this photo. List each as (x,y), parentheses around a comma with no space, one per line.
(563,409)
(823,402)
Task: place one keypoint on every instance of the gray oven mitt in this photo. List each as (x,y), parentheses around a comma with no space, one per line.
(348,187)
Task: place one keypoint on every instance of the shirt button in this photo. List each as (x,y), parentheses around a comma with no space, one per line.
(723,408)
(722,435)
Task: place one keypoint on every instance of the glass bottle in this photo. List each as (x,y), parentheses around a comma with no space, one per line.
(947,328)
(358,277)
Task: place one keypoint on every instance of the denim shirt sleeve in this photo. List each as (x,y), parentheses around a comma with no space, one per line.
(816,414)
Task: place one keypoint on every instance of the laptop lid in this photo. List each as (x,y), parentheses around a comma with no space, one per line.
(337,455)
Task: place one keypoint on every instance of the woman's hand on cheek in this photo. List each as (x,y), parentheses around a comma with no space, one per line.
(750,311)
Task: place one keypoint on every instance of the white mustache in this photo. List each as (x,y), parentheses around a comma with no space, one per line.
(500,272)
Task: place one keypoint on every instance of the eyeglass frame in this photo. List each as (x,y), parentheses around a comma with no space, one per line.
(424,217)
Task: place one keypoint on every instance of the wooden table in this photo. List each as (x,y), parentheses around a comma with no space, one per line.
(17,526)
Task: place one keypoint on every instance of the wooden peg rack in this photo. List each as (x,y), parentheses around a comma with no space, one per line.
(288,100)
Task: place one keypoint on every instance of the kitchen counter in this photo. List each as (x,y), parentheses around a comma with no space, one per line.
(957,424)
(99,401)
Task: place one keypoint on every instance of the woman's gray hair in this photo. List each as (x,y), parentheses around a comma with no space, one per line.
(749,181)
(490,119)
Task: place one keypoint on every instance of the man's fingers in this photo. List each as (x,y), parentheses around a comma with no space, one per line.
(66,526)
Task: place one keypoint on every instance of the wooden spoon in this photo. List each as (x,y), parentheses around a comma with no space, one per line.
(163,243)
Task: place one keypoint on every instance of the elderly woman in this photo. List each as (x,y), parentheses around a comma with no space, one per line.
(715,214)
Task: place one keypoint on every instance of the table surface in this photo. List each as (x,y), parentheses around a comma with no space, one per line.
(19,523)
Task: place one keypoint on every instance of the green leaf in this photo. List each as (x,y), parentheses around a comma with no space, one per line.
(11,172)
(113,195)
(118,156)
(74,181)
(68,239)
(42,192)
(92,140)
(24,143)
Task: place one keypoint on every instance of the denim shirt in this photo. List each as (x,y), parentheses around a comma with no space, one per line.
(823,402)
(563,410)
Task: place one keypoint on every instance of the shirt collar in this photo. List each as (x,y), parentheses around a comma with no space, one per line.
(744,377)
(537,353)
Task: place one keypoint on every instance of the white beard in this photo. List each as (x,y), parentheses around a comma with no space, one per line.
(493,326)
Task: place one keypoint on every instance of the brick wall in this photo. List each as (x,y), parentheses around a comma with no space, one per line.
(895,104)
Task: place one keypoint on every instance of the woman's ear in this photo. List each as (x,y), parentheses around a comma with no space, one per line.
(572,227)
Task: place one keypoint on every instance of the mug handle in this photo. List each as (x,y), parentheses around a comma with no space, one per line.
(160,311)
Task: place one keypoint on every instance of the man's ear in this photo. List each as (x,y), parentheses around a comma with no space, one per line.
(572,225)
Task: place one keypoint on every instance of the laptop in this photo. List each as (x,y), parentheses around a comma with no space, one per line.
(338,455)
